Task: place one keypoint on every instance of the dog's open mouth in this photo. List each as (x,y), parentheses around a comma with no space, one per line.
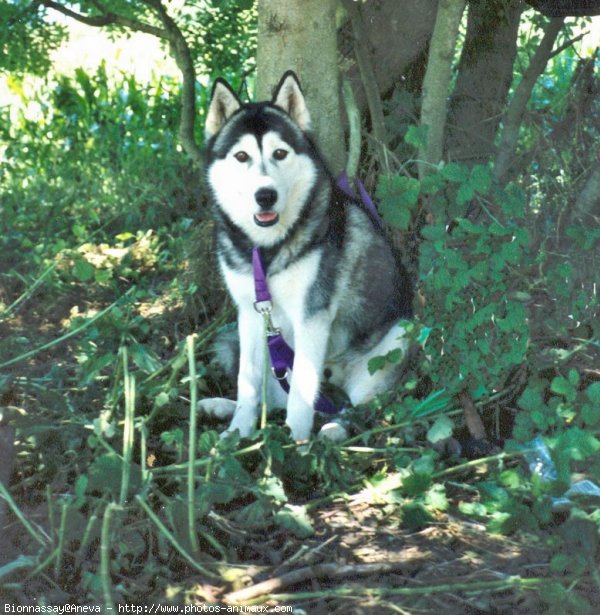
(266,218)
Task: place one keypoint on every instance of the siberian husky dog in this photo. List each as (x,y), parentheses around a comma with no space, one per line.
(338,290)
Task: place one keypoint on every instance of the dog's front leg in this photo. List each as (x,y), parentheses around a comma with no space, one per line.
(311,338)
(250,373)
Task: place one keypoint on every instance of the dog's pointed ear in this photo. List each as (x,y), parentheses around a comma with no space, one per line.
(288,95)
(224,102)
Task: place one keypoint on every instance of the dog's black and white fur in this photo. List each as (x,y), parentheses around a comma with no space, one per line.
(338,290)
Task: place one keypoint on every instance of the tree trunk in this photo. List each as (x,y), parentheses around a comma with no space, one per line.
(437,80)
(587,205)
(301,35)
(516,109)
(397,32)
(484,76)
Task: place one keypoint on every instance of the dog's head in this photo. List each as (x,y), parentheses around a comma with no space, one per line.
(260,163)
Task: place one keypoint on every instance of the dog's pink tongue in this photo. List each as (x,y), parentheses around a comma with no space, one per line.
(267,216)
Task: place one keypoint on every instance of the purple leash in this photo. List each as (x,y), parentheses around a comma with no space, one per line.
(343,183)
(280,353)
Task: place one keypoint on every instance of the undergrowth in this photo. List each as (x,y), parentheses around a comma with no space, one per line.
(121,494)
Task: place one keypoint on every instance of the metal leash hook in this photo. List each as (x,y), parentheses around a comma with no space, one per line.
(265,308)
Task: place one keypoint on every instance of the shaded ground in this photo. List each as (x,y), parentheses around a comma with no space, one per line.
(451,566)
(360,558)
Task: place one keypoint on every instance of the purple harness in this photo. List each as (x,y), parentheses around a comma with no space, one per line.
(280,353)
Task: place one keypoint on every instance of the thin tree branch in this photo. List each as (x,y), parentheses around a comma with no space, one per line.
(367,75)
(106,18)
(328,571)
(437,81)
(518,104)
(353,115)
(183,58)
(568,44)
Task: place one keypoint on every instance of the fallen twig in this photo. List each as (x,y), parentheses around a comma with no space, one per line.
(329,571)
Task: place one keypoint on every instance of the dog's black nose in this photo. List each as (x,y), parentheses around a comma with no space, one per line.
(266,197)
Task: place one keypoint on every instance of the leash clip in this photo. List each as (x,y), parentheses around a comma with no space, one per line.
(265,308)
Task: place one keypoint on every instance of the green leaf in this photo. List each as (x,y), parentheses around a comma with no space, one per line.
(102,276)
(415,516)
(561,386)
(397,196)
(455,173)
(436,497)
(434,231)
(272,487)
(439,400)
(464,194)
(395,215)
(105,472)
(417,136)
(144,358)
(573,377)
(480,178)
(432,183)
(440,430)
(531,399)
(295,519)
(593,393)
(83,270)
(375,364)
(577,444)
(590,413)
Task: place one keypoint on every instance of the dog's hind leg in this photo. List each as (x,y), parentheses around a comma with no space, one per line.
(360,385)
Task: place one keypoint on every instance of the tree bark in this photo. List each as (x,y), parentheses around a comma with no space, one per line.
(301,35)
(516,109)
(368,78)
(437,81)
(397,32)
(485,73)
(587,204)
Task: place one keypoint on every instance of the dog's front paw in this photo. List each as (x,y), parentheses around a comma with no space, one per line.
(334,431)
(218,407)
(244,422)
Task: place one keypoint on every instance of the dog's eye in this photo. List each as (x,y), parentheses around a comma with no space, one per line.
(241,157)
(280,154)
